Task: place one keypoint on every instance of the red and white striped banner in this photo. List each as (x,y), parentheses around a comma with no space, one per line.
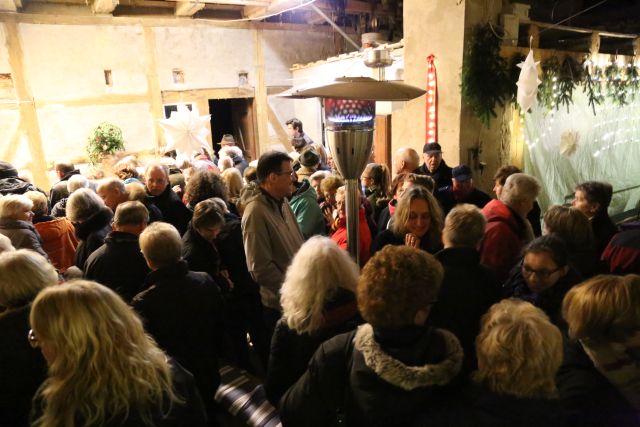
(432,100)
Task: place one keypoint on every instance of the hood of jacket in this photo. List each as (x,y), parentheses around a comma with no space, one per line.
(98,221)
(12,224)
(250,193)
(14,185)
(406,377)
(497,211)
(305,191)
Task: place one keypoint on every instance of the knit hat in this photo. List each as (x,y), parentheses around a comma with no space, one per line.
(7,170)
(309,158)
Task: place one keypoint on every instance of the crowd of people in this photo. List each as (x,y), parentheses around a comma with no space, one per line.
(121,297)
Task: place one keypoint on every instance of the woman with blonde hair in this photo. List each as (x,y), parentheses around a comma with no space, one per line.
(417,222)
(233,181)
(23,273)
(599,381)
(16,222)
(519,352)
(318,302)
(104,370)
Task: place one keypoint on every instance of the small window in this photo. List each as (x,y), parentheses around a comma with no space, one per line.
(108,78)
(178,76)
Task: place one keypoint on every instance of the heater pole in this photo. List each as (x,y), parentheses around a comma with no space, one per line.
(353,217)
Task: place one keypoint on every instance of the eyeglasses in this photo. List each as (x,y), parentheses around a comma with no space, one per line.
(33,341)
(290,173)
(542,274)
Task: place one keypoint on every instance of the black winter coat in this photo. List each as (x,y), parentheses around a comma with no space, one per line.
(203,256)
(441,176)
(22,368)
(446,197)
(182,310)
(118,264)
(291,352)
(468,290)
(59,190)
(380,378)
(91,235)
(587,396)
(478,406)
(173,210)
(231,250)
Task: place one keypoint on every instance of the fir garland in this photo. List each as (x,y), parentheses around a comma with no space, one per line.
(105,139)
(591,86)
(570,75)
(485,77)
(633,79)
(549,85)
(616,84)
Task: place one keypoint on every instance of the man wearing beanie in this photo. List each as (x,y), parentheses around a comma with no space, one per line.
(9,181)
(434,166)
(309,161)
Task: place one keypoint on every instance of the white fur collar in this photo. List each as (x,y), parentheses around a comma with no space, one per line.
(409,377)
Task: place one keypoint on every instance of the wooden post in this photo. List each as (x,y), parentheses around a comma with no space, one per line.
(28,115)
(534,36)
(154,93)
(262,115)
(595,43)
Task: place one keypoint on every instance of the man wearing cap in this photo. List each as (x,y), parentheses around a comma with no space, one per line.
(10,183)
(298,138)
(461,190)
(434,166)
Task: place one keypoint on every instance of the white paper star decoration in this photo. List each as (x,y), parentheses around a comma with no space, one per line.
(528,83)
(186,131)
(569,142)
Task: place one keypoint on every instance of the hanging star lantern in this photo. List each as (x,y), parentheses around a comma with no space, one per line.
(186,131)
(528,83)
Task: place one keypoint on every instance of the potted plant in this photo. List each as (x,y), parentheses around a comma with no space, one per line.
(105,140)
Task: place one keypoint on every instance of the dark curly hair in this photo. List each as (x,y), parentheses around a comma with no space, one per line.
(204,185)
(396,283)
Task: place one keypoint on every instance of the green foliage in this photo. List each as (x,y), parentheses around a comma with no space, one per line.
(616,85)
(548,87)
(106,139)
(569,77)
(485,76)
(633,78)
(592,88)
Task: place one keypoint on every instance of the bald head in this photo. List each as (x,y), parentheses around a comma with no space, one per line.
(113,192)
(406,160)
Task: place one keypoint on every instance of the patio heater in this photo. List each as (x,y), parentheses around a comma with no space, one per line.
(349,115)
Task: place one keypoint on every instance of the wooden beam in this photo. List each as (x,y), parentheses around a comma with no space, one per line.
(275,7)
(261,102)
(94,100)
(276,124)
(104,6)
(154,95)
(188,8)
(28,115)
(176,96)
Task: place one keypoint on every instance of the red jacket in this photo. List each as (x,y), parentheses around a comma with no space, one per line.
(340,236)
(58,241)
(504,238)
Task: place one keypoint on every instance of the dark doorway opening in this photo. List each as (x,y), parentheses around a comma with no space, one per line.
(234,116)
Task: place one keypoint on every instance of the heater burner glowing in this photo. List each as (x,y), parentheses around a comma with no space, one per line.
(348,113)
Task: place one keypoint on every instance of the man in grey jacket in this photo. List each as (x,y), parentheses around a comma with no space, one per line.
(270,231)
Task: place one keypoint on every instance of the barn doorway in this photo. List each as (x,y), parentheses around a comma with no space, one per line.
(237,117)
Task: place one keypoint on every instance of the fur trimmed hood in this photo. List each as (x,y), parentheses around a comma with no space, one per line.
(406,377)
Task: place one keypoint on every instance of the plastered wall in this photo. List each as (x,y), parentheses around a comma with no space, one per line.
(62,67)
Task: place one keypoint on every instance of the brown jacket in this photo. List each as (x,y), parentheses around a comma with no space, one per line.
(58,241)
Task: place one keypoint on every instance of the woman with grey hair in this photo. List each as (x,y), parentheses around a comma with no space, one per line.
(23,274)
(92,219)
(318,302)
(16,223)
(507,228)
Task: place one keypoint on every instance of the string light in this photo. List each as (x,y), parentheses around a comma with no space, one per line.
(432,101)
